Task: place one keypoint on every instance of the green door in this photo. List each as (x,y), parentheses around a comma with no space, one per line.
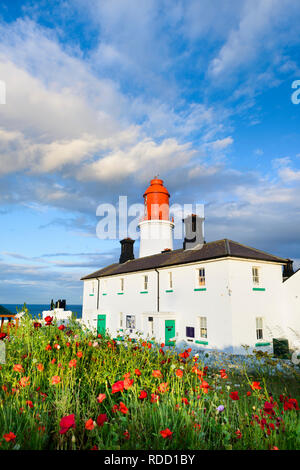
(169,332)
(101,324)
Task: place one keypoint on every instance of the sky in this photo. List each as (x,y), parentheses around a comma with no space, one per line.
(102,95)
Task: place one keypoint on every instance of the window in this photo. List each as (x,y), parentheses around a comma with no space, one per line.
(151,326)
(121,320)
(201,277)
(190,332)
(170,281)
(130,322)
(259,328)
(203,327)
(255,275)
(146,282)
(122,284)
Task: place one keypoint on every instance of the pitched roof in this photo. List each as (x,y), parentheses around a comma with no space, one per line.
(211,250)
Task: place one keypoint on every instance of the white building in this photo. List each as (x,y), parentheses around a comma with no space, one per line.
(219,295)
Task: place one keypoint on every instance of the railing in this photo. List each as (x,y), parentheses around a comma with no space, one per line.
(10,317)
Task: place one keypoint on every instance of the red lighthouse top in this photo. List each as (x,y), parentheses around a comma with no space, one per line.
(156,201)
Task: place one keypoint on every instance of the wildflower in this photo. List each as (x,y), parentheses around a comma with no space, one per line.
(2,335)
(156,373)
(248,394)
(256,386)
(166,433)
(79,354)
(37,325)
(48,320)
(18,368)
(66,423)
(128,383)
(117,387)
(137,372)
(95,447)
(274,448)
(55,380)
(268,408)
(102,419)
(143,395)
(56,346)
(89,425)
(24,381)
(29,403)
(154,398)
(290,404)
(179,373)
(72,363)
(53,361)
(234,396)
(61,327)
(185,401)
(123,408)
(101,397)
(48,347)
(40,367)
(9,436)
(163,387)
(126,435)
(238,434)
(223,374)
(220,408)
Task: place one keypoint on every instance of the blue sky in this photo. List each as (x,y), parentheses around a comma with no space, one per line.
(101,95)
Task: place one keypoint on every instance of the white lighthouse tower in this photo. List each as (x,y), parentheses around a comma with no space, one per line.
(156,228)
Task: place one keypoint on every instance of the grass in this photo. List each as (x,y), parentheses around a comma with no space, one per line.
(194,402)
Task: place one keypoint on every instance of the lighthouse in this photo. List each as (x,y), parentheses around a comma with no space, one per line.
(156,228)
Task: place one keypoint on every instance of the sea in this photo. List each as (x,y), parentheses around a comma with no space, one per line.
(36,309)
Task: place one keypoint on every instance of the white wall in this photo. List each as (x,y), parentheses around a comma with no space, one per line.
(291,309)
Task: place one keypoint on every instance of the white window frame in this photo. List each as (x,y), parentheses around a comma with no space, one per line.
(259,327)
(170,277)
(145,282)
(130,318)
(256,275)
(200,277)
(203,326)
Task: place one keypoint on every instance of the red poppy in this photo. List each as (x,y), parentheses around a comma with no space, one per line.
(9,437)
(238,434)
(156,373)
(55,379)
(128,383)
(290,404)
(24,381)
(102,419)
(29,403)
(89,425)
(66,423)
(126,435)
(18,368)
(143,395)
(101,397)
(3,335)
(61,327)
(79,354)
(137,372)
(123,408)
(166,433)
(223,374)
(154,397)
(163,387)
(234,396)
(179,372)
(37,325)
(48,347)
(268,408)
(117,387)
(40,367)
(256,386)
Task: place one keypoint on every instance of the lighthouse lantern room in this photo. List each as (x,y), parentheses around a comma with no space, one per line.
(156,228)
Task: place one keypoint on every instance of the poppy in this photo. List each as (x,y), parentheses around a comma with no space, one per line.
(128,383)
(24,381)
(179,372)
(126,435)
(61,327)
(72,363)
(66,423)
(156,373)
(123,408)
(102,419)
(55,379)
(137,372)
(101,397)
(79,354)
(89,425)
(143,395)
(9,437)
(40,367)
(166,433)
(117,387)
(234,396)
(256,386)
(18,368)
(163,387)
